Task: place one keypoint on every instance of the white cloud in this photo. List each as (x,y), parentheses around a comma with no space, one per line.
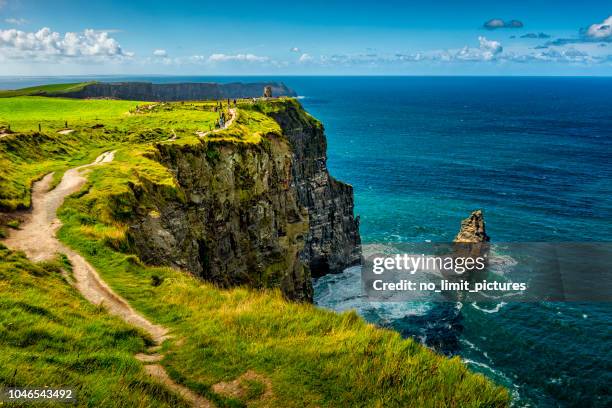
(237,58)
(495,23)
(45,45)
(2,3)
(160,53)
(601,31)
(15,21)
(490,48)
(562,55)
(305,58)
(295,49)
(487,51)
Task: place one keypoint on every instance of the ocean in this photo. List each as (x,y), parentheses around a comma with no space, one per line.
(535,154)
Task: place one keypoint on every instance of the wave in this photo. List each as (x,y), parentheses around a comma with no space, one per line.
(496,309)
(342,291)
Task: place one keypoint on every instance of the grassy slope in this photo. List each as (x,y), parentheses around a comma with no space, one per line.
(50,335)
(27,155)
(311,357)
(51,90)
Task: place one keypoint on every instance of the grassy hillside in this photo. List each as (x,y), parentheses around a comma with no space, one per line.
(49,90)
(50,335)
(237,346)
(26,153)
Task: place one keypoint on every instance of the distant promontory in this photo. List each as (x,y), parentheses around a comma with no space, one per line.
(147,91)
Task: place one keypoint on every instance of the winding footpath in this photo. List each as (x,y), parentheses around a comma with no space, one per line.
(233,113)
(36,237)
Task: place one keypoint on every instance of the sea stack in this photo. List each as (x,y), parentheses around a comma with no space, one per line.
(472,229)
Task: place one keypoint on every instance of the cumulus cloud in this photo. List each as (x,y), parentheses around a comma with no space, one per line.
(295,49)
(495,23)
(160,53)
(15,21)
(541,36)
(600,31)
(237,58)
(46,45)
(488,50)
(305,58)
(490,47)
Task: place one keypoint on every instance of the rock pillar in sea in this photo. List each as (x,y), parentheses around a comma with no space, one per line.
(473,229)
(472,241)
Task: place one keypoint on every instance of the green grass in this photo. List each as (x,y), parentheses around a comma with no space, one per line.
(98,125)
(311,357)
(50,90)
(51,336)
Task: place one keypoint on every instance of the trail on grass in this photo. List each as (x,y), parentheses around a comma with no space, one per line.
(36,237)
(227,124)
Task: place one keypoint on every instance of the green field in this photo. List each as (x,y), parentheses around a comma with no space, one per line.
(26,153)
(304,356)
(48,90)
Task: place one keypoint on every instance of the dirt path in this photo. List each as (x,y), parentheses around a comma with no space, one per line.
(36,237)
(227,124)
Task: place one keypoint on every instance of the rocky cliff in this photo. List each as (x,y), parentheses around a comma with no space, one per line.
(262,214)
(333,242)
(146,91)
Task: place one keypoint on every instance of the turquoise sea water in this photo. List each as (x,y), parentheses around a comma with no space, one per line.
(534,153)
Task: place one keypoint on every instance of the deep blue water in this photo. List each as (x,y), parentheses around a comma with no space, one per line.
(422,152)
(535,154)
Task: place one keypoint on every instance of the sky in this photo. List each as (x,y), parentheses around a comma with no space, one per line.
(117,37)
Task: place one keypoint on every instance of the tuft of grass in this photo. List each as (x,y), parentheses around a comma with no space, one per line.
(13,224)
(51,337)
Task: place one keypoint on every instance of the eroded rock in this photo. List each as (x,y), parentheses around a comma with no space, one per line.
(472,229)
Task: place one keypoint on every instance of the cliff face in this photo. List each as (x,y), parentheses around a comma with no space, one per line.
(333,242)
(263,215)
(146,91)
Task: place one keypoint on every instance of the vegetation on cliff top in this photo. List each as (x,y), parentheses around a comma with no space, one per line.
(50,335)
(75,131)
(48,90)
(303,356)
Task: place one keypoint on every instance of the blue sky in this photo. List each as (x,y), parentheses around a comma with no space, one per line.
(237,37)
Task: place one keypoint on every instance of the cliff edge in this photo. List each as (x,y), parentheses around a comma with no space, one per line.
(146,91)
(264,214)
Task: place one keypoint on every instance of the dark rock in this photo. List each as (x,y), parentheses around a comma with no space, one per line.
(146,91)
(261,215)
(333,242)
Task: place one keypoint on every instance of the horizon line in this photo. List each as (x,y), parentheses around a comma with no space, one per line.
(312,75)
